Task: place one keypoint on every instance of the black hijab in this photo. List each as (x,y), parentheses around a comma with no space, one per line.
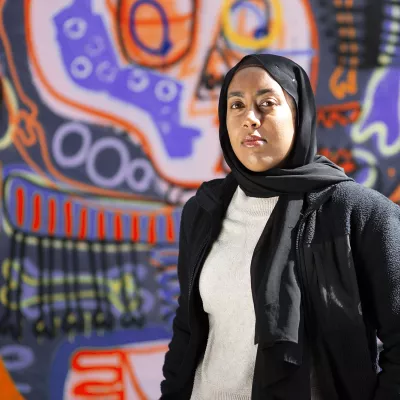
(274,270)
(304,171)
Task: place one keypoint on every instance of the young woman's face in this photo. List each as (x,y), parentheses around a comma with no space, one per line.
(260,119)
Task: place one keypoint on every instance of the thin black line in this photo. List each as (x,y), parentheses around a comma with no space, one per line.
(76,288)
(40,272)
(40,258)
(138,316)
(120,266)
(19,286)
(5,317)
(106,297)
(98,309)
(50,292)
(92,266)
(67,291)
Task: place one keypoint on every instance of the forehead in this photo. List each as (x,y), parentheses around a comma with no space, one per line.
(250,78)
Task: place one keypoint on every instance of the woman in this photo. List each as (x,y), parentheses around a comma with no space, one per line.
(288,269)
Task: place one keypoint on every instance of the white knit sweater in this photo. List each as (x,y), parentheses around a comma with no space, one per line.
(227,368)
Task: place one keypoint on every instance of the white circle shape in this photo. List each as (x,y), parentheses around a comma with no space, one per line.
(106,72)
(97,148)
(166,91)
(138,81)
(145,181)
(63,132)
(75,28)
(81,67)
(95,46)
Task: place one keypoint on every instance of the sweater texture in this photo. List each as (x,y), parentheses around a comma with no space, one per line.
(227,368)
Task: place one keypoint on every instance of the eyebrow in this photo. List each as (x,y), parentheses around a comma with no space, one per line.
(259,93)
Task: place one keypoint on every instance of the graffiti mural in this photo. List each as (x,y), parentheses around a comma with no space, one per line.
(122,365)
(109,124)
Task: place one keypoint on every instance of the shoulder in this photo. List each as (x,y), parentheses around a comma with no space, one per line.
(352,195)
(207,189)
(207,205)
(190,206)
(364,205)
(189,210)
(205,197)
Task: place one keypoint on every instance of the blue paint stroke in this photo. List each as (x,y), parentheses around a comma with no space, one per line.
(262,30)
(166,44)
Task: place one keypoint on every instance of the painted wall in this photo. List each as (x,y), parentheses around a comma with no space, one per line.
(108,124)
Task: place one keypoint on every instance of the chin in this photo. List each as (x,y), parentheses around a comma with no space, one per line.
(257,168)
(255,163)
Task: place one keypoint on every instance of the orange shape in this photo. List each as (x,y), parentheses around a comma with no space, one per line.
(154,36)
(8,388)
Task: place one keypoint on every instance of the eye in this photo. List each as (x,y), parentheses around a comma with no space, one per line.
(268,103)
(236,105)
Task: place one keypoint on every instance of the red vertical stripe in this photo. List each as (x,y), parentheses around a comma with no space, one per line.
(101,225)
(37,208)
(135,228)
(83,223)
(152,234)
(170,234)
(52,216)
(20,205)
(118,227)
(68,218)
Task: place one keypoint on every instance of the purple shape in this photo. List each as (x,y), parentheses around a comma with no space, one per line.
(388,25)
(91,62)
(363,173)
(386,102)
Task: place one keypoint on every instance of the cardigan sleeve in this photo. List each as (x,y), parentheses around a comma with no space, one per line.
(379,249)
(181,331)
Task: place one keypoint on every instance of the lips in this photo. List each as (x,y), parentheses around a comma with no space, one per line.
(253,141)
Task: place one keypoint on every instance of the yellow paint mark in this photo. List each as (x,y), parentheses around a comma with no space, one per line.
(276,26)
(11,101)
(87,323)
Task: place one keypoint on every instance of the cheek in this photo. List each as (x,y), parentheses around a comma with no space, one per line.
(281,127)
(231,125)
(286,135)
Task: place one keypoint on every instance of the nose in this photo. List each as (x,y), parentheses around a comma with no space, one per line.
(251,120)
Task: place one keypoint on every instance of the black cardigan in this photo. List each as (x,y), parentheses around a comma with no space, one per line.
(350,270)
